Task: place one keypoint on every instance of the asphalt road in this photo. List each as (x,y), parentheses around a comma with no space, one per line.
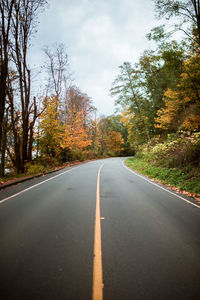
(150,238)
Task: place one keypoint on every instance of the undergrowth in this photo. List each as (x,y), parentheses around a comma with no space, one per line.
(175,162)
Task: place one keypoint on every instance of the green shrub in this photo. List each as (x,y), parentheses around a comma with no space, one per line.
(176,151)
(110,154)
(90,154)
(34,168)
(77,155)
(185,180)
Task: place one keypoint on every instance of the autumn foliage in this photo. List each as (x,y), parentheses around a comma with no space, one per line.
(75,134)
(115,141)
(51,127)
(56,134)
(182,105)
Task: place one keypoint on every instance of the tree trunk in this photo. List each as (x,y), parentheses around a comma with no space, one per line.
(6,15)
(3,87)
(3,146)
(17,161)
(30,146)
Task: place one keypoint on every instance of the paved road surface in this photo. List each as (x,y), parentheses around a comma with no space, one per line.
(150,238)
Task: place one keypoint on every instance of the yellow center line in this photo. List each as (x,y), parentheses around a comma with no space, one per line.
(97,263)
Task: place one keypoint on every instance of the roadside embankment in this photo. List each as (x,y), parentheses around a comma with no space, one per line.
(174,162)
(15,179)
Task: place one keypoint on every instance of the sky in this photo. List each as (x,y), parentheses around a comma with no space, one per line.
(99,35)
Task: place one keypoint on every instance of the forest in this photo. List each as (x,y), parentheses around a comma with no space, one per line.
(157,101)
(159,98)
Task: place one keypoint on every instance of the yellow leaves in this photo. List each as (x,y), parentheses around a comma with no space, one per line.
(126,117)
(66,140)
(21,18)
(50,122)
(178,103)
(11,74)
(171,94)
(192,122)
(184,76)
(115,141)
(57,135)
(163,120)
(75,134)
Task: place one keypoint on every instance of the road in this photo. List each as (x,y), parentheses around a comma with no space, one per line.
(146,240)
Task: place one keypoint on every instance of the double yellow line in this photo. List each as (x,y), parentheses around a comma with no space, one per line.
(97,263)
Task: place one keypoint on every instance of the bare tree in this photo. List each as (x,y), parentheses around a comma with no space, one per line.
(57,67)
(6,10)
(14,148)
(77,100)
(23,25)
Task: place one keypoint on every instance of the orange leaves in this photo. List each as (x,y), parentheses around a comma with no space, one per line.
(192,121)
(167,114)
(75,134)
(182,106)
(163,120)
(58,135)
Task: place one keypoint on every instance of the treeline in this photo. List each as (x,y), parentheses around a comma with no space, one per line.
(159,97)
(58,125)
(18,108)
(160,94)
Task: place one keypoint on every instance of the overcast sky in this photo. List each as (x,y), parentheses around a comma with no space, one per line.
(99,35)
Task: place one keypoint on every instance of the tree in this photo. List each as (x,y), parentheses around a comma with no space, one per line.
(57,67)
(110,136)
(24,21)
(140,90)
(187,11)
(6,11)
(160,70)
(182,104)
(115,142)
(127,87)
(58,136)
(14,145)
(51,128)
(77,100)
(75,134)
(17,24)
(101,135)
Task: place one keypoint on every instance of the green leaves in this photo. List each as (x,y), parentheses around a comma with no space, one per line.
(139,89)
(186,12)
(157,34)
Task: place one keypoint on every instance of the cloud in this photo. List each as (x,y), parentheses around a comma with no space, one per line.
(99,36)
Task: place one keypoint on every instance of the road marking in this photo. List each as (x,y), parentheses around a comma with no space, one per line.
(31,187)
(97,263)
(162,188)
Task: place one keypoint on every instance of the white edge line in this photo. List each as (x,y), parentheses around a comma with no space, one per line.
(187,201)
(31,187)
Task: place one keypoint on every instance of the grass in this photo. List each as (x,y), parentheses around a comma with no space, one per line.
(32,172)
(170,176)
(12,177)
(36,170)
